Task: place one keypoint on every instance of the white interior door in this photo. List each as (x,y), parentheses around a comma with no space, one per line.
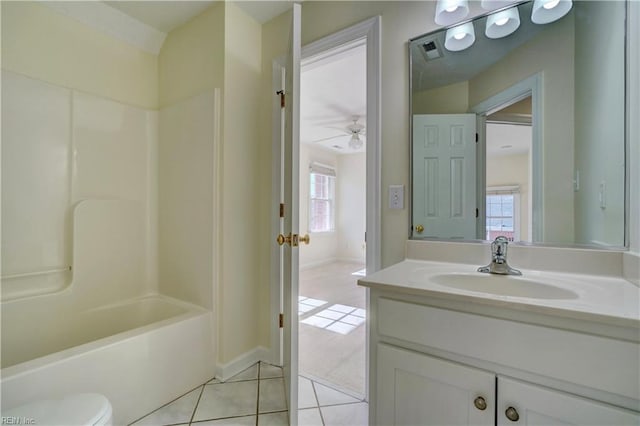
(444,176)
(290,194)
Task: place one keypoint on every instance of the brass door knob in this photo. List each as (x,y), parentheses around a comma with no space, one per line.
(419,229)
(512,414)
(306,239)
(282,239)
(480,403)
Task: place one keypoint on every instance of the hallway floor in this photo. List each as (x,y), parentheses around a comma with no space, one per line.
(256,397)
(332,332)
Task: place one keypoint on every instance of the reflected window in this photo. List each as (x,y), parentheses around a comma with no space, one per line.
(502,214)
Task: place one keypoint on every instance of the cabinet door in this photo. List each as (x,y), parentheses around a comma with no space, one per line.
(536,405)
(416,389)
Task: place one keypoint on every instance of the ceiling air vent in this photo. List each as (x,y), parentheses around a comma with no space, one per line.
(431,50)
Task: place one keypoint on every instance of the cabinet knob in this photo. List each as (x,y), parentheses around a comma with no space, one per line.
(480,403)
(512,414)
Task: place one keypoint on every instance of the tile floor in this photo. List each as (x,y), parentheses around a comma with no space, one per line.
(256,397)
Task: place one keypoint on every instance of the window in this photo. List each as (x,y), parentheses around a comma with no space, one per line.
(502,213)
(322,181)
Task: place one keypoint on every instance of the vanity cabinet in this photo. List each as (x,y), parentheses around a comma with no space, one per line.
(418,389)
(435,365)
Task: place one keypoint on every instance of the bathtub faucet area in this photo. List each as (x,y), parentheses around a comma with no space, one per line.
(499,263)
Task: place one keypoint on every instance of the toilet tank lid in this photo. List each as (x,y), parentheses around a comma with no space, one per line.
(72,410)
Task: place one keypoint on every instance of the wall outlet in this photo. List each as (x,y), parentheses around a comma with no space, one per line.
(396,197)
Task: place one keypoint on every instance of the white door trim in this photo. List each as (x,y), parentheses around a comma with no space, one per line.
(368,30)
(531,86)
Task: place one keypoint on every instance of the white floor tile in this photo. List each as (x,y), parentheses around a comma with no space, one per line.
(340,327)
(179,411)
(317,321)
(342,308)
(306,394)
(227,400)
(273,419)
(250,373)
(235,421)
(272,397)
(328,396)
(309,417)
(268,371)
(330,314)
(347,415)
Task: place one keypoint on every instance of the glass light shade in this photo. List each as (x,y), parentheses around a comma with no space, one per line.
(503,23)
(355,142)
(544,13)
(460,37)
(449,12)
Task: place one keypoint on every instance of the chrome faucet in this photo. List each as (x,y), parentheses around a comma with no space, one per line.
(498,263)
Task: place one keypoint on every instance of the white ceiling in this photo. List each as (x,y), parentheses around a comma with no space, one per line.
(145,23)
(332,94)
(508,139)
(161,15)
(167,15)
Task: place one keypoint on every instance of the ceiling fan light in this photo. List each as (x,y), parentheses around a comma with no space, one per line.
(449,12)
(355,142)
(460,37)
(503,23)
(547,11)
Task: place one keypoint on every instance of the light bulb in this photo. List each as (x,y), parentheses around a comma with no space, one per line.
(459,36)
(451,8)
(500,22)
(551,4)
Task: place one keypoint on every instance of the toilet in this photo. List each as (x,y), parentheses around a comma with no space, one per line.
(85,409)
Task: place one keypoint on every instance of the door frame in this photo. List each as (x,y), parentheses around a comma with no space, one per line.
(369,31)
(531,86)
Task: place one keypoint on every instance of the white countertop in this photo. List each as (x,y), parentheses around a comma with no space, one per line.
(608,300)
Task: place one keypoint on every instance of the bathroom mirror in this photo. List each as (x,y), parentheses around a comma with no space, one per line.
(521,135)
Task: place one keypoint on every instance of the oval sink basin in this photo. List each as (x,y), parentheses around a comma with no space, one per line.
(504,285)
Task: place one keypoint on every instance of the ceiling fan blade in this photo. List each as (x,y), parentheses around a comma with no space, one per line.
(329,138)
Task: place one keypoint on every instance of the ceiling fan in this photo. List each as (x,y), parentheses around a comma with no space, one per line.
(355,130)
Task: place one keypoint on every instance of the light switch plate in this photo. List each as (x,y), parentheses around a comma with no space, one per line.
(396,197)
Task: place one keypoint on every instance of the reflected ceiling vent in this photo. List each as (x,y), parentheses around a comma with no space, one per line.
(431,50)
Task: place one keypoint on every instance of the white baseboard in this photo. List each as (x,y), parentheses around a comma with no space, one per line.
(240,363)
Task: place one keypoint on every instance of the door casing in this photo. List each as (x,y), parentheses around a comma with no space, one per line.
(368,30)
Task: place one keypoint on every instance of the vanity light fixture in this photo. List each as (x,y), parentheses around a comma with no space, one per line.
(546,11)
(451,11)
(460,37)
(503,23)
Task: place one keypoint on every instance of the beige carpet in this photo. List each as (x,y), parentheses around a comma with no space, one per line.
(333,350)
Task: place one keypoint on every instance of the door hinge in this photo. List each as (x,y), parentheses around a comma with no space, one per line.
(282,100)
(477,212)
(281,320)
(477,138)
(281,209)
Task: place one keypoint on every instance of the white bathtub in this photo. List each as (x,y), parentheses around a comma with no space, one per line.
(139,354)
